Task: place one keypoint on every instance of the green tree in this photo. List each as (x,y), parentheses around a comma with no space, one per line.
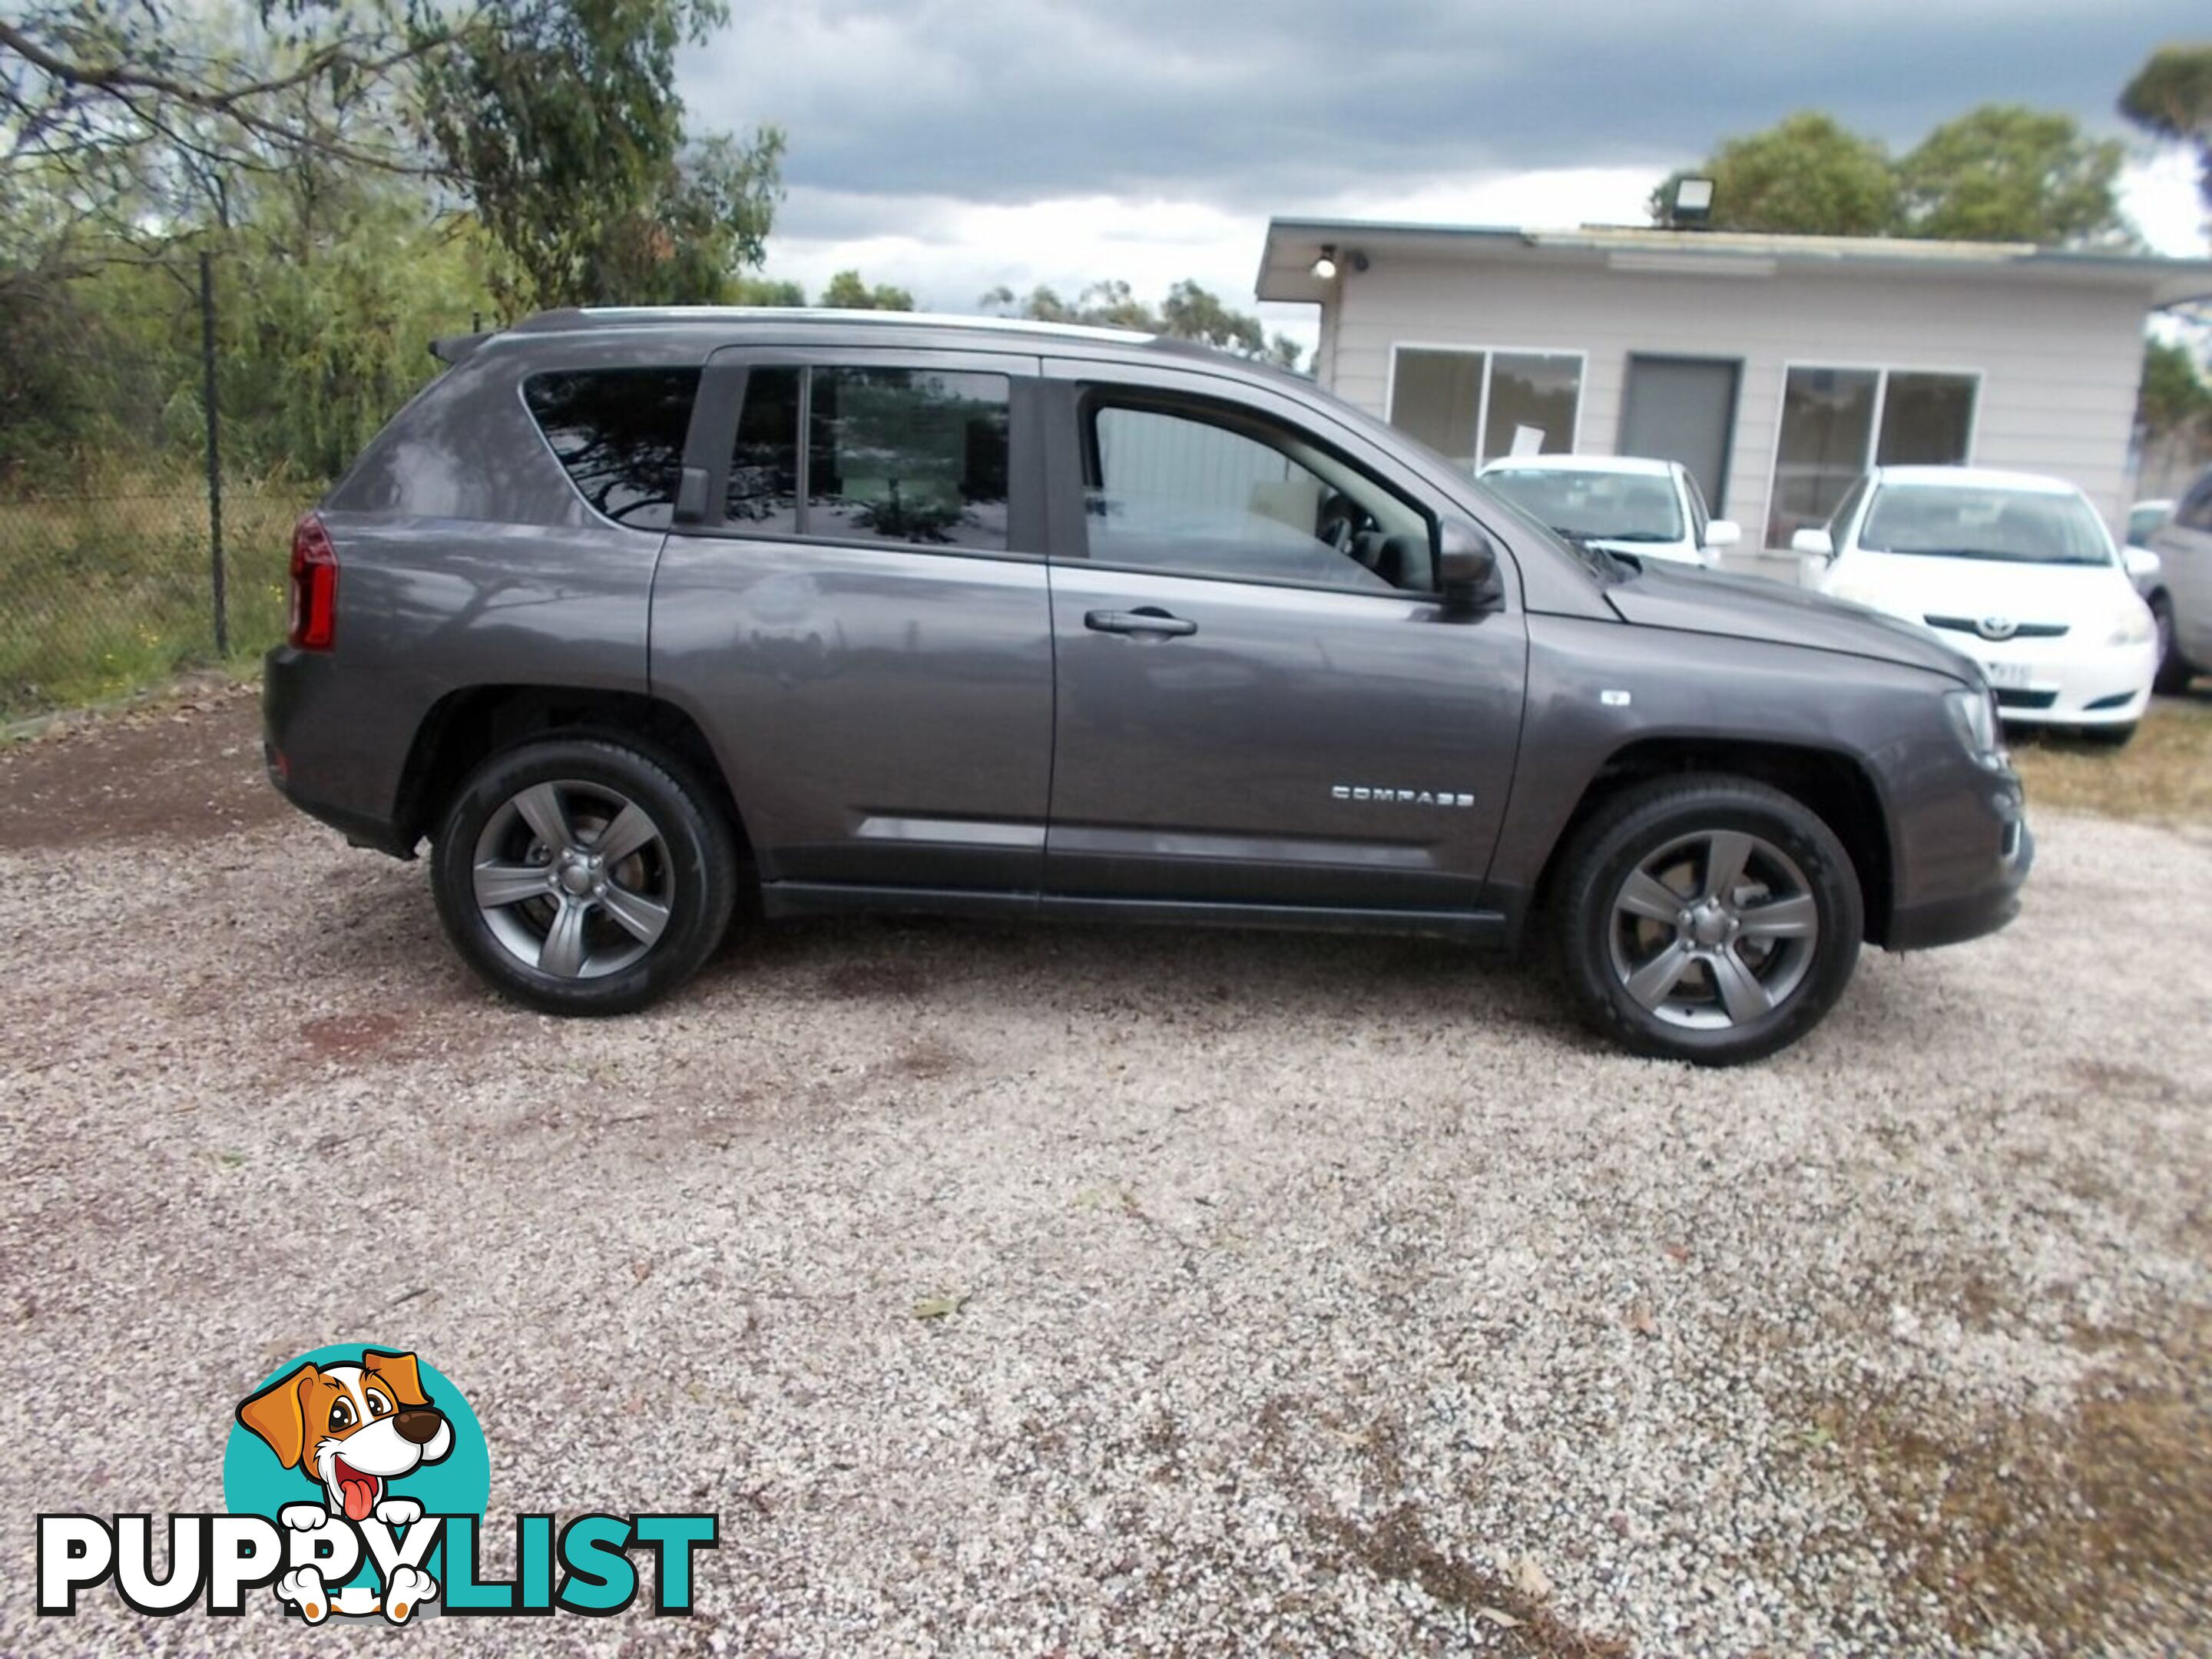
(2171,96)
(748,290)
(559,121)
(125,128)
(1189,312)
(847,292)
(1100,304)
(1805,175)
(2174,393)
(83,85)
(2007,174)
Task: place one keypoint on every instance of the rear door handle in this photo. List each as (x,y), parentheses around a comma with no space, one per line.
(1148,619)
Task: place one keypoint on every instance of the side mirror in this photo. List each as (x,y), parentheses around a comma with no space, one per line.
(1467,567)
(1723,532)
(2143,565)
(1813,544)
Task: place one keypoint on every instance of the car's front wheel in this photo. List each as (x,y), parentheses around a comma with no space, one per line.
(1708,918)
(583,875)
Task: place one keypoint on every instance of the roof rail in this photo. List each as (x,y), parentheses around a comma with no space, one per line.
(582,317)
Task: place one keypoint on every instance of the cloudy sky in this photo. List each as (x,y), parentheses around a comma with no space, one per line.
(952,145)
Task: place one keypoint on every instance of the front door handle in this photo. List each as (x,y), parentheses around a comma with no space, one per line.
(1148,619)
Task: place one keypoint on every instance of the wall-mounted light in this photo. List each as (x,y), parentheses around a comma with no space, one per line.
(1324,268)
(1693,202)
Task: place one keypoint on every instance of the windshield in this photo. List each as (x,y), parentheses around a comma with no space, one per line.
(1614,506)
(1964,521)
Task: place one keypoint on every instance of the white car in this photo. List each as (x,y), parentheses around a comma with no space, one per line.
(2180,591)
(1624,503)
(2018,570)
(2144,520)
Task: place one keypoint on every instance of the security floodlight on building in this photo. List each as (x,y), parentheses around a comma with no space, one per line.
(1325,267)
(1693,202)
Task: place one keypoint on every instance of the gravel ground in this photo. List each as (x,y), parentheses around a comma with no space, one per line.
(1320,1296)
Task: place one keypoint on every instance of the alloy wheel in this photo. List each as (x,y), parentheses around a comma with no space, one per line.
(1714,930)
(573,879)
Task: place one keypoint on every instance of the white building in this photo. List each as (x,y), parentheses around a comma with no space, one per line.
(1776,367)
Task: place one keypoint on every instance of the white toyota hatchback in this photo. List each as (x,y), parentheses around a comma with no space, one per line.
(2017,570)
(1623,503)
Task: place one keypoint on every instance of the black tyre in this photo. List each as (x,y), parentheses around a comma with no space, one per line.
(584,875)
(2174,671)
(1707,918)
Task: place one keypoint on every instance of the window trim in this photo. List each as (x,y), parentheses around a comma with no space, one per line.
(1175,402)
(720,407)
(1489,356)
(1881,372)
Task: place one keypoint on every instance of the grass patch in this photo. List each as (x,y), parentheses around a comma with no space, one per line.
(101,596)
(2087,1532)
(2164,776)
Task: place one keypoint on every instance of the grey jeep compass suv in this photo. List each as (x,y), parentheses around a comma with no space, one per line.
(630,610)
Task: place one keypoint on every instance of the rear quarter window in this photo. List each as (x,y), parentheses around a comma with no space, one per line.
(618,434)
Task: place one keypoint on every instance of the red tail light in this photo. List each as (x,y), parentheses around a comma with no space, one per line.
(314,585)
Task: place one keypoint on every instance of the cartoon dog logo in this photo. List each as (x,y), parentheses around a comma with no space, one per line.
(354,1429)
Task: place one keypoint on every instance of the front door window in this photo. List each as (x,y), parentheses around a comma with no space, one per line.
(1206,492)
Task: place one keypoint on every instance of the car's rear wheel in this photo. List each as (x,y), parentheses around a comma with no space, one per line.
(584,875)
(2174,672)
(1708,918)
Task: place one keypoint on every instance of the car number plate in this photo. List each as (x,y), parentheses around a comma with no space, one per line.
(2007,676)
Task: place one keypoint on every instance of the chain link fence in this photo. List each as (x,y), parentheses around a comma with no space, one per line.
(138,556)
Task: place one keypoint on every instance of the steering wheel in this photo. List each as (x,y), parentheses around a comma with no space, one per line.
(1340,519)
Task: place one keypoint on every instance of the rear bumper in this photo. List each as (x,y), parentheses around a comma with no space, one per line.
(312,747)
(360,829)
(1979,910)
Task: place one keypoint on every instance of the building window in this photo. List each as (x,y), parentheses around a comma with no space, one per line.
(1836,423)
(1470,406)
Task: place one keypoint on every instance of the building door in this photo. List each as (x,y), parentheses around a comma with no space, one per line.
(1683,408)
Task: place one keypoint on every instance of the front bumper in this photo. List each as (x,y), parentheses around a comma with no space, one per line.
(2041,683)
(1980,909)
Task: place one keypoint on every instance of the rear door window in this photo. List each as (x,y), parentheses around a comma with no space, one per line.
(908,455)
(918,456)
(763,489)
(618,434)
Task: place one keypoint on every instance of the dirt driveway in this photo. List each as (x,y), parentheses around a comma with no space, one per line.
(1313,1296)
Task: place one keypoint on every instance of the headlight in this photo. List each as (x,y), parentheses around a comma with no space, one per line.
(2133,625)
(1974,717)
